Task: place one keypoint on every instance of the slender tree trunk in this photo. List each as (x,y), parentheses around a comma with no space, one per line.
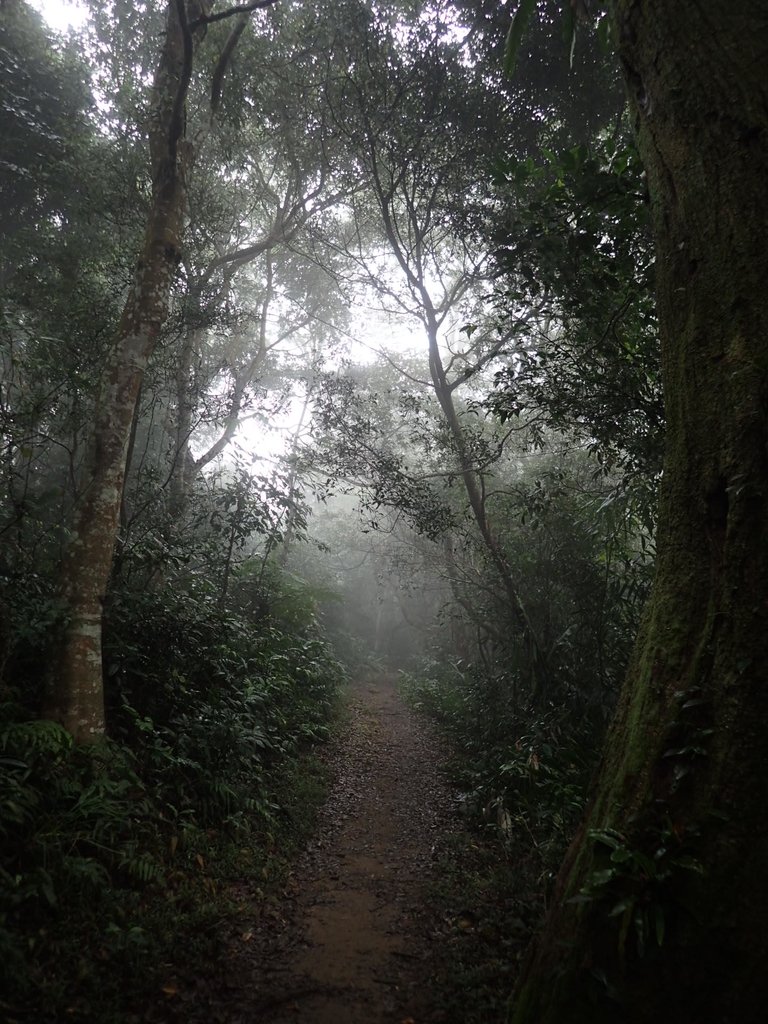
(289,532)
(536,653)
(186,398)
(685,775)
(124,528)
(76,690)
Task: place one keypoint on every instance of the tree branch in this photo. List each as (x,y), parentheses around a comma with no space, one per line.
(176,124)
(230,12)
(217,80)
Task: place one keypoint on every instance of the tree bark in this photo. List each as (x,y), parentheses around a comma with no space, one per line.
(75,697)
(684,780)
(75,693)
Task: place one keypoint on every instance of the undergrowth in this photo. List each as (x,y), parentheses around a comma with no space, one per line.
(522,774)
(489,904)
(522,771)
(117,859)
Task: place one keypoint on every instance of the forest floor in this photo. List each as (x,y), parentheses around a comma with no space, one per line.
(357,948)
(347,941)
(362,932)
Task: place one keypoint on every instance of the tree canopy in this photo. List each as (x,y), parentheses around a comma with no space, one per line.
(426,335)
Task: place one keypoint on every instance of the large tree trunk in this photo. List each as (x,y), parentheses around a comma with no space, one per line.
(76,690)
(685,777)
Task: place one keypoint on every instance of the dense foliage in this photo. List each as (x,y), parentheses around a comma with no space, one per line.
(210,715)
(402,405)
(218,679)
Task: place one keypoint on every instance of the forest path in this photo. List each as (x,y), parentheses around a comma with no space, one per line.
(353,947)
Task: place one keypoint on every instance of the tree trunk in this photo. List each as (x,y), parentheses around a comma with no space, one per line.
(684,782)
(186,401)
(535,653)
(76,690)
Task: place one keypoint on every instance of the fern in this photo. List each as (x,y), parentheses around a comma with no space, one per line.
(35,739)
(18,803)
(140,866)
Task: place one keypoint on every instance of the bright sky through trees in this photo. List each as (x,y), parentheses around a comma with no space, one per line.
(62,14)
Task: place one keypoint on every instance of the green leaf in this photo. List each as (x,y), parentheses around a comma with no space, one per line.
(689,864)
(659,921)
(603,877)
(607,837)
(582,897)
(515,35)
(622,906)
(621,855)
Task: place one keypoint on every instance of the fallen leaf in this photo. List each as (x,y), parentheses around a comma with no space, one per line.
(466,921)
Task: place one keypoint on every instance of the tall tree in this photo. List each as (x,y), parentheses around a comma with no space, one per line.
(64,241)
(661,903)
(416,118)
(76,692)
(42,123)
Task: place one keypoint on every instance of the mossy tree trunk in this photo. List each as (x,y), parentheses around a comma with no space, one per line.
(675,844)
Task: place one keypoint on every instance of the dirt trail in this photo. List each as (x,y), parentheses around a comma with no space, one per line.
(356,948)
